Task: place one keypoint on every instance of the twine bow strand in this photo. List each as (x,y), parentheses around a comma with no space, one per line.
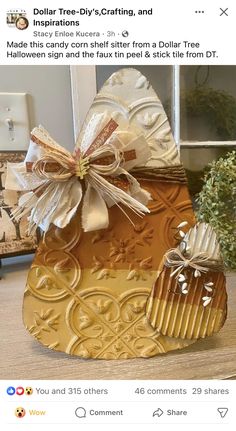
(52,176)
(175,259)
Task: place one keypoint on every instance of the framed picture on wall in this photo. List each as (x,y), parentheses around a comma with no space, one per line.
(14,240)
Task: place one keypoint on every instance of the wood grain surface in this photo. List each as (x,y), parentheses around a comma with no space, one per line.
(21,357)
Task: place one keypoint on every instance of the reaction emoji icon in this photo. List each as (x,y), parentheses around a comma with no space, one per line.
(20,412)
(28,390)
(11,390)
(20,390)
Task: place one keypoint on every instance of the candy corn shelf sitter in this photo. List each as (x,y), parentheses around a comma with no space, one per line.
(121,271)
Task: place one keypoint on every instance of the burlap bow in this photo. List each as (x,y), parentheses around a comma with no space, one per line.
(175,259)
(57,180)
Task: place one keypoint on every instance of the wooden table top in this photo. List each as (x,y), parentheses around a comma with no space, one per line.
(21,357)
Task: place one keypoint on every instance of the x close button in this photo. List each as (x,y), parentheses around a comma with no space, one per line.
(224,11)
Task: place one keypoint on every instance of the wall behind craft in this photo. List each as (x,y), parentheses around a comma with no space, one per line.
(49,99)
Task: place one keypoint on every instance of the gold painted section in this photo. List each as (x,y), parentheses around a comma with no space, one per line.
(95,321)
(86,292)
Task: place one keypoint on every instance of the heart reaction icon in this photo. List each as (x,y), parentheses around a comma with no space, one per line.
(20,390)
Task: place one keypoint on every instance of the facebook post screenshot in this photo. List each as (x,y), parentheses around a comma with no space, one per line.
(117,215)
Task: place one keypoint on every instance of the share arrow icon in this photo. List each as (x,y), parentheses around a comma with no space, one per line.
(223,411)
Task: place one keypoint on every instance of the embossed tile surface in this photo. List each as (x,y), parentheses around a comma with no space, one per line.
(86,293)
(209,358)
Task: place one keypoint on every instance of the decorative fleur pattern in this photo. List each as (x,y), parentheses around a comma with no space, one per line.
(142,82)
(98,282)
(148,120)
(115,79)
(113,328)
(106,320)
(123,251)
(44,321)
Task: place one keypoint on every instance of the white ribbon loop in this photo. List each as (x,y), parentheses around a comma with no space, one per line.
(53,178)
(94,211)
